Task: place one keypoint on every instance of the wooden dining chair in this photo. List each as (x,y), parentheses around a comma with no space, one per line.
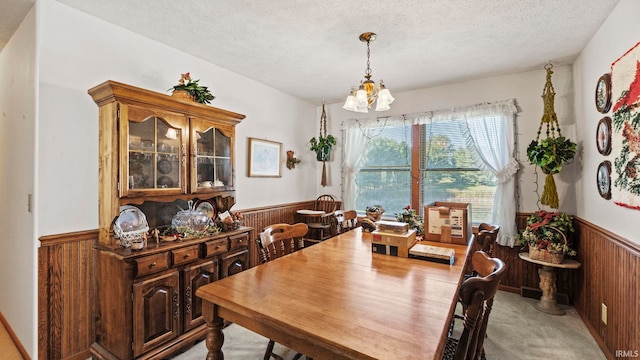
(476,295)
(486,237)
(485,240)
(346,220)
(276,241)
(323,224)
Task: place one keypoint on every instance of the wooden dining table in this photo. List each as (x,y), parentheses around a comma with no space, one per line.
(338,300)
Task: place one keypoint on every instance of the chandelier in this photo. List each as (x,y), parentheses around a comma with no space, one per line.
(360,100)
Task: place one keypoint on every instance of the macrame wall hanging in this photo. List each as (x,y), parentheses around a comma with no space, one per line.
(550,153)
(322,145)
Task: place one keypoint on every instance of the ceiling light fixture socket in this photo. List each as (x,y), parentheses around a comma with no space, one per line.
(368,36)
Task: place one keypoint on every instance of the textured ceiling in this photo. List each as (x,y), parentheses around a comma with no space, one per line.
(310,49)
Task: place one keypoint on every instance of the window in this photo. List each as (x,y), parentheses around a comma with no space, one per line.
(447,171)
(385,176)
(462,155)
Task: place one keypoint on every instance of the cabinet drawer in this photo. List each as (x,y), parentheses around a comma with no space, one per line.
(239,241)
(235,263)
(152,264)
(185,255)
(215,247)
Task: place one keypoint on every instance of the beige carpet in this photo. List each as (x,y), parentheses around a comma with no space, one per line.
(516,331)
(8,350)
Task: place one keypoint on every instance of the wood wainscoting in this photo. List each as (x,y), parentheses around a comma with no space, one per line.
(608,275)
(65,296)
(260,218)
(610,266)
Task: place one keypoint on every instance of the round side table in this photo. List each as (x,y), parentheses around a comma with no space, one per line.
(548,303)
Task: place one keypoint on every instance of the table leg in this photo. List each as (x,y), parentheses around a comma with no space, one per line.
(215,336)
(548,303)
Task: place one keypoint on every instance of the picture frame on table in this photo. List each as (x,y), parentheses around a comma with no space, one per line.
(603,93)
(603,179)
(265,158)
(603,136)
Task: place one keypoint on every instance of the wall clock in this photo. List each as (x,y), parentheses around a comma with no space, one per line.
(603,93)
(603,136)
(603,179)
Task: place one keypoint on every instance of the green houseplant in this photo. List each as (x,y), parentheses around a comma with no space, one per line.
(198,93)
(549,154)
(547,235)
(322,146)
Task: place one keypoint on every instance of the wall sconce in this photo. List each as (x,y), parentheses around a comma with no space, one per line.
(291,160)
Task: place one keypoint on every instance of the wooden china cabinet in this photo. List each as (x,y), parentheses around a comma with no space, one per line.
(157,153)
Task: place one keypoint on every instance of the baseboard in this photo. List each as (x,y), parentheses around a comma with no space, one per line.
(510,289)
(533,293)
(14,338)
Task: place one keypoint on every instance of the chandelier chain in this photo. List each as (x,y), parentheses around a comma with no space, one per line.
(368,71)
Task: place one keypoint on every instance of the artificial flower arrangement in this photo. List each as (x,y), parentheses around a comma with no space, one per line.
(411,217)
(198,92)
(548,231)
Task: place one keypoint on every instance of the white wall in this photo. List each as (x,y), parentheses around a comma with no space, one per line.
(619,33)
(526,88)
(79,51)
(18,77)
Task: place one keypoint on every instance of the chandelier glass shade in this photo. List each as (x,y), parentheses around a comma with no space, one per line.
(360,99)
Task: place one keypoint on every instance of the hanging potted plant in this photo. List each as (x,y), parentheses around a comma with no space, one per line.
(552,152)
(322,146)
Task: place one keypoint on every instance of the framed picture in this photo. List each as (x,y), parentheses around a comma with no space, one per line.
(603,93)
(603,179)
(265,158)
(603,136)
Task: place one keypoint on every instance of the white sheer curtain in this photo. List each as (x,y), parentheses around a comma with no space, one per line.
(491,125)
(353,150)
(482,124)
(494,124)
(356,133)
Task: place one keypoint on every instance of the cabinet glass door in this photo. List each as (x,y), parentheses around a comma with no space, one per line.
(155,156)
(212,165)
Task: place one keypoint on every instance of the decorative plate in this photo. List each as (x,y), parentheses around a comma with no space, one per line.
(603,136)
(164,166)
(165,182)
(603,179)
(603,93)
(207,208)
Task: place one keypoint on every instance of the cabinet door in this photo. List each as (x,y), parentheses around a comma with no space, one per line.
(153,152)
(212,158)
(235,263)
(156,312)
(194,277)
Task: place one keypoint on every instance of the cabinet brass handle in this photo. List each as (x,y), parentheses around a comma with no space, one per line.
(152,264)
(186,256)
